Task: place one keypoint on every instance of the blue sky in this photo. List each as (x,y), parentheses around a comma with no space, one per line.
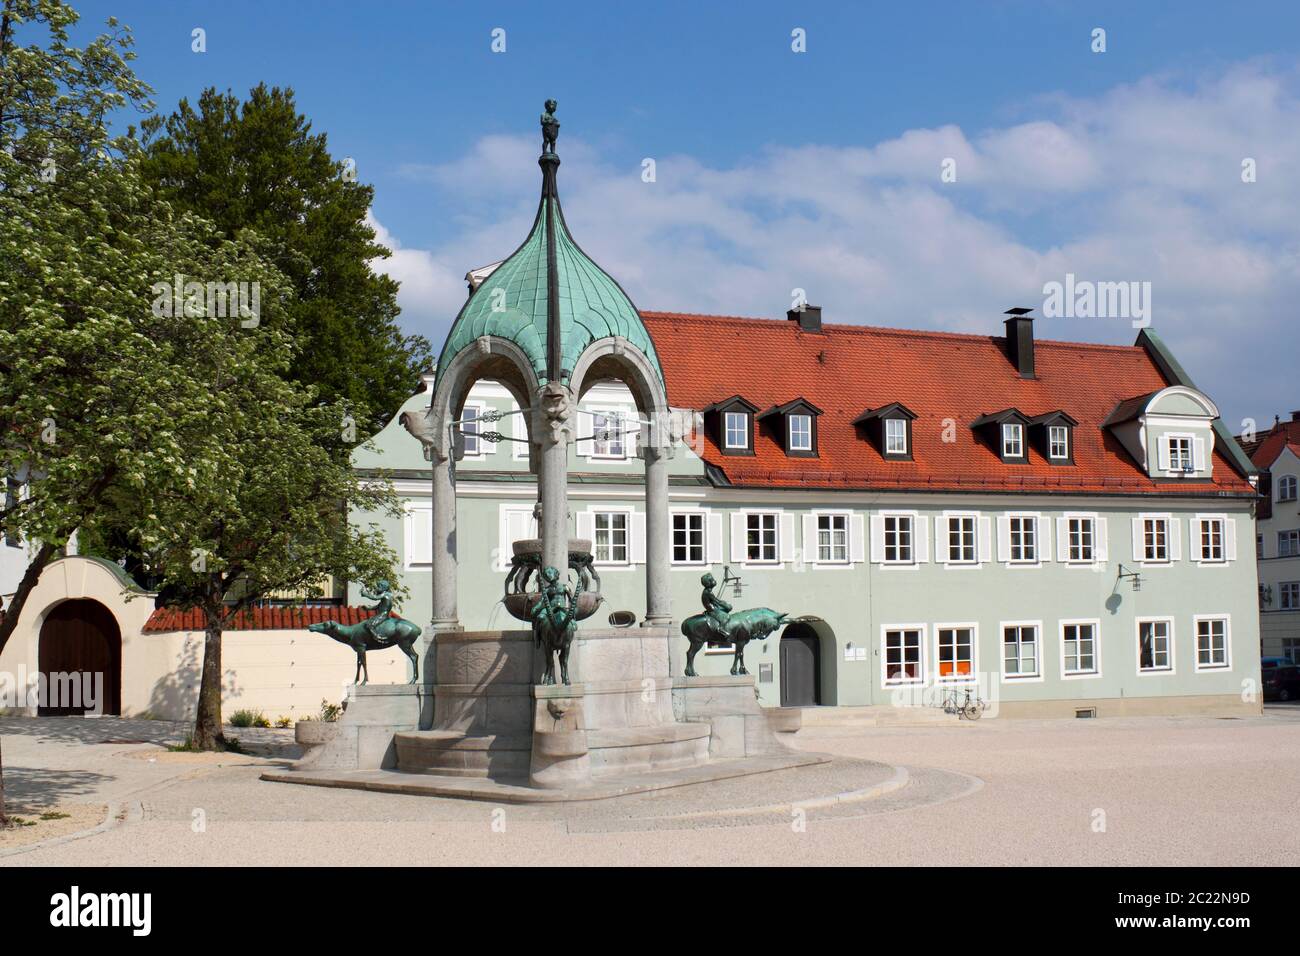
(818,170)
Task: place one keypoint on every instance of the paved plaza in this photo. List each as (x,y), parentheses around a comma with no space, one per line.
(1124,791)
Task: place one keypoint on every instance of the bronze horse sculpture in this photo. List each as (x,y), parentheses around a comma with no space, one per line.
(741,627)
(391,631)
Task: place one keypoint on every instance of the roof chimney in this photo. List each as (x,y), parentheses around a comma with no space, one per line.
(809,317)
(1020,340)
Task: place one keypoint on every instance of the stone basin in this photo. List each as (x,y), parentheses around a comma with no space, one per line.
(519,605)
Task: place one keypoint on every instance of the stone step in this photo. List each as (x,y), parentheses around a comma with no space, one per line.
(875,715)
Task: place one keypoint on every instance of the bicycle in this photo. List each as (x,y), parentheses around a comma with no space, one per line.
(969,707)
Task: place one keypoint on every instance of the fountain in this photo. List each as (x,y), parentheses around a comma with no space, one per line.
(621,717)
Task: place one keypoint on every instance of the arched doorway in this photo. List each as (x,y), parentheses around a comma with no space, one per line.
(801,672)
(78,638)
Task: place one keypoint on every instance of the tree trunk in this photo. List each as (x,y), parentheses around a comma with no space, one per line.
(14,609)
(4,817)
(207,718)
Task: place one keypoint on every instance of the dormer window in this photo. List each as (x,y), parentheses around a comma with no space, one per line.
(737,431)
(1006,433)
(896,436)
(1013,440)
(1179,453)
(730,424)
(1053,435)
(889,428)
(1058,442)
(799,432)
(794,425)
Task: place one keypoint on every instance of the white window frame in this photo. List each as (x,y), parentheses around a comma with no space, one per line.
(948,517)
(744,430)
(919,680)
(626,512)
(1198,531)
(776,538)
(973,676)
(622,416)
(703,517)
(479,408)
(1035,677)
(1168,440)
(1197,620)
(847,518)
(1095,624)
(1290,534)
(901,437)
(1077,516)
(1157,521)
(914,525)
(520,449)
(1287,587)
(1013,435)
(1283,483)
(1137,646)
(1064,431)
(1035,521)
(790,431)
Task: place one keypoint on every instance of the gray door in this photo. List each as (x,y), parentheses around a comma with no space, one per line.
(800,668)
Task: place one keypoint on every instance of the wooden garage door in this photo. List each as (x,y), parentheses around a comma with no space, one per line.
(78,638)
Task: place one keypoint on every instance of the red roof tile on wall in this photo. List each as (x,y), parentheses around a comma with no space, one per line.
(256,619)
(1270,445)
(941,376)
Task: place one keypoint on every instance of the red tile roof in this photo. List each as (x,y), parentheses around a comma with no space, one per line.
(941,376)
(1264,451)
(256,619)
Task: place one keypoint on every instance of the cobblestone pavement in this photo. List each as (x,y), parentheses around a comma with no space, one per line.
(1169,791)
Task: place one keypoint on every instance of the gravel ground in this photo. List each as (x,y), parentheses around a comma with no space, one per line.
(1124,791)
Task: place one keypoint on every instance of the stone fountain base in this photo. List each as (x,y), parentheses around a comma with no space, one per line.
(624,725)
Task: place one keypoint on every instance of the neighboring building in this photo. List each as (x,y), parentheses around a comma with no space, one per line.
(936,509)
(1276,454)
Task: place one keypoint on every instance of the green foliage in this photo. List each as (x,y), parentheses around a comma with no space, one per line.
(249,718)
(257,165)
(283,721)
(329,712)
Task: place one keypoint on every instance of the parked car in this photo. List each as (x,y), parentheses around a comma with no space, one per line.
(1282,682)
(1268,663)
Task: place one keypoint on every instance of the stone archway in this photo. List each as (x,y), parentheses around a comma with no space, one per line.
(79,656)
(615,359)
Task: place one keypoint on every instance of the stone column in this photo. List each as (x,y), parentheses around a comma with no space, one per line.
(658,604)
(443,493)
(554,431)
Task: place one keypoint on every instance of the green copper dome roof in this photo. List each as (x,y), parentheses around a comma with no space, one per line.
(549,287)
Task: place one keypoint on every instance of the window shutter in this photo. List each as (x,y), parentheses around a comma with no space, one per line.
(1062,539)
(713,541)
(419,537)
(1139,542)
(985,542)
(1175,538)
(1004,538)
(1198,454)
(785,544)
(1162,454)
(857,546)
(1043,546)
(810,538)
(1230,538)
(636,537)
(486,447)
(587,526)
(920,540)
(1100,551)
(877,538)
(738,549)
(586,425)
(940,539)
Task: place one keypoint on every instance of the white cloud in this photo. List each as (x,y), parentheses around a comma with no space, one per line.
(1141,183)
